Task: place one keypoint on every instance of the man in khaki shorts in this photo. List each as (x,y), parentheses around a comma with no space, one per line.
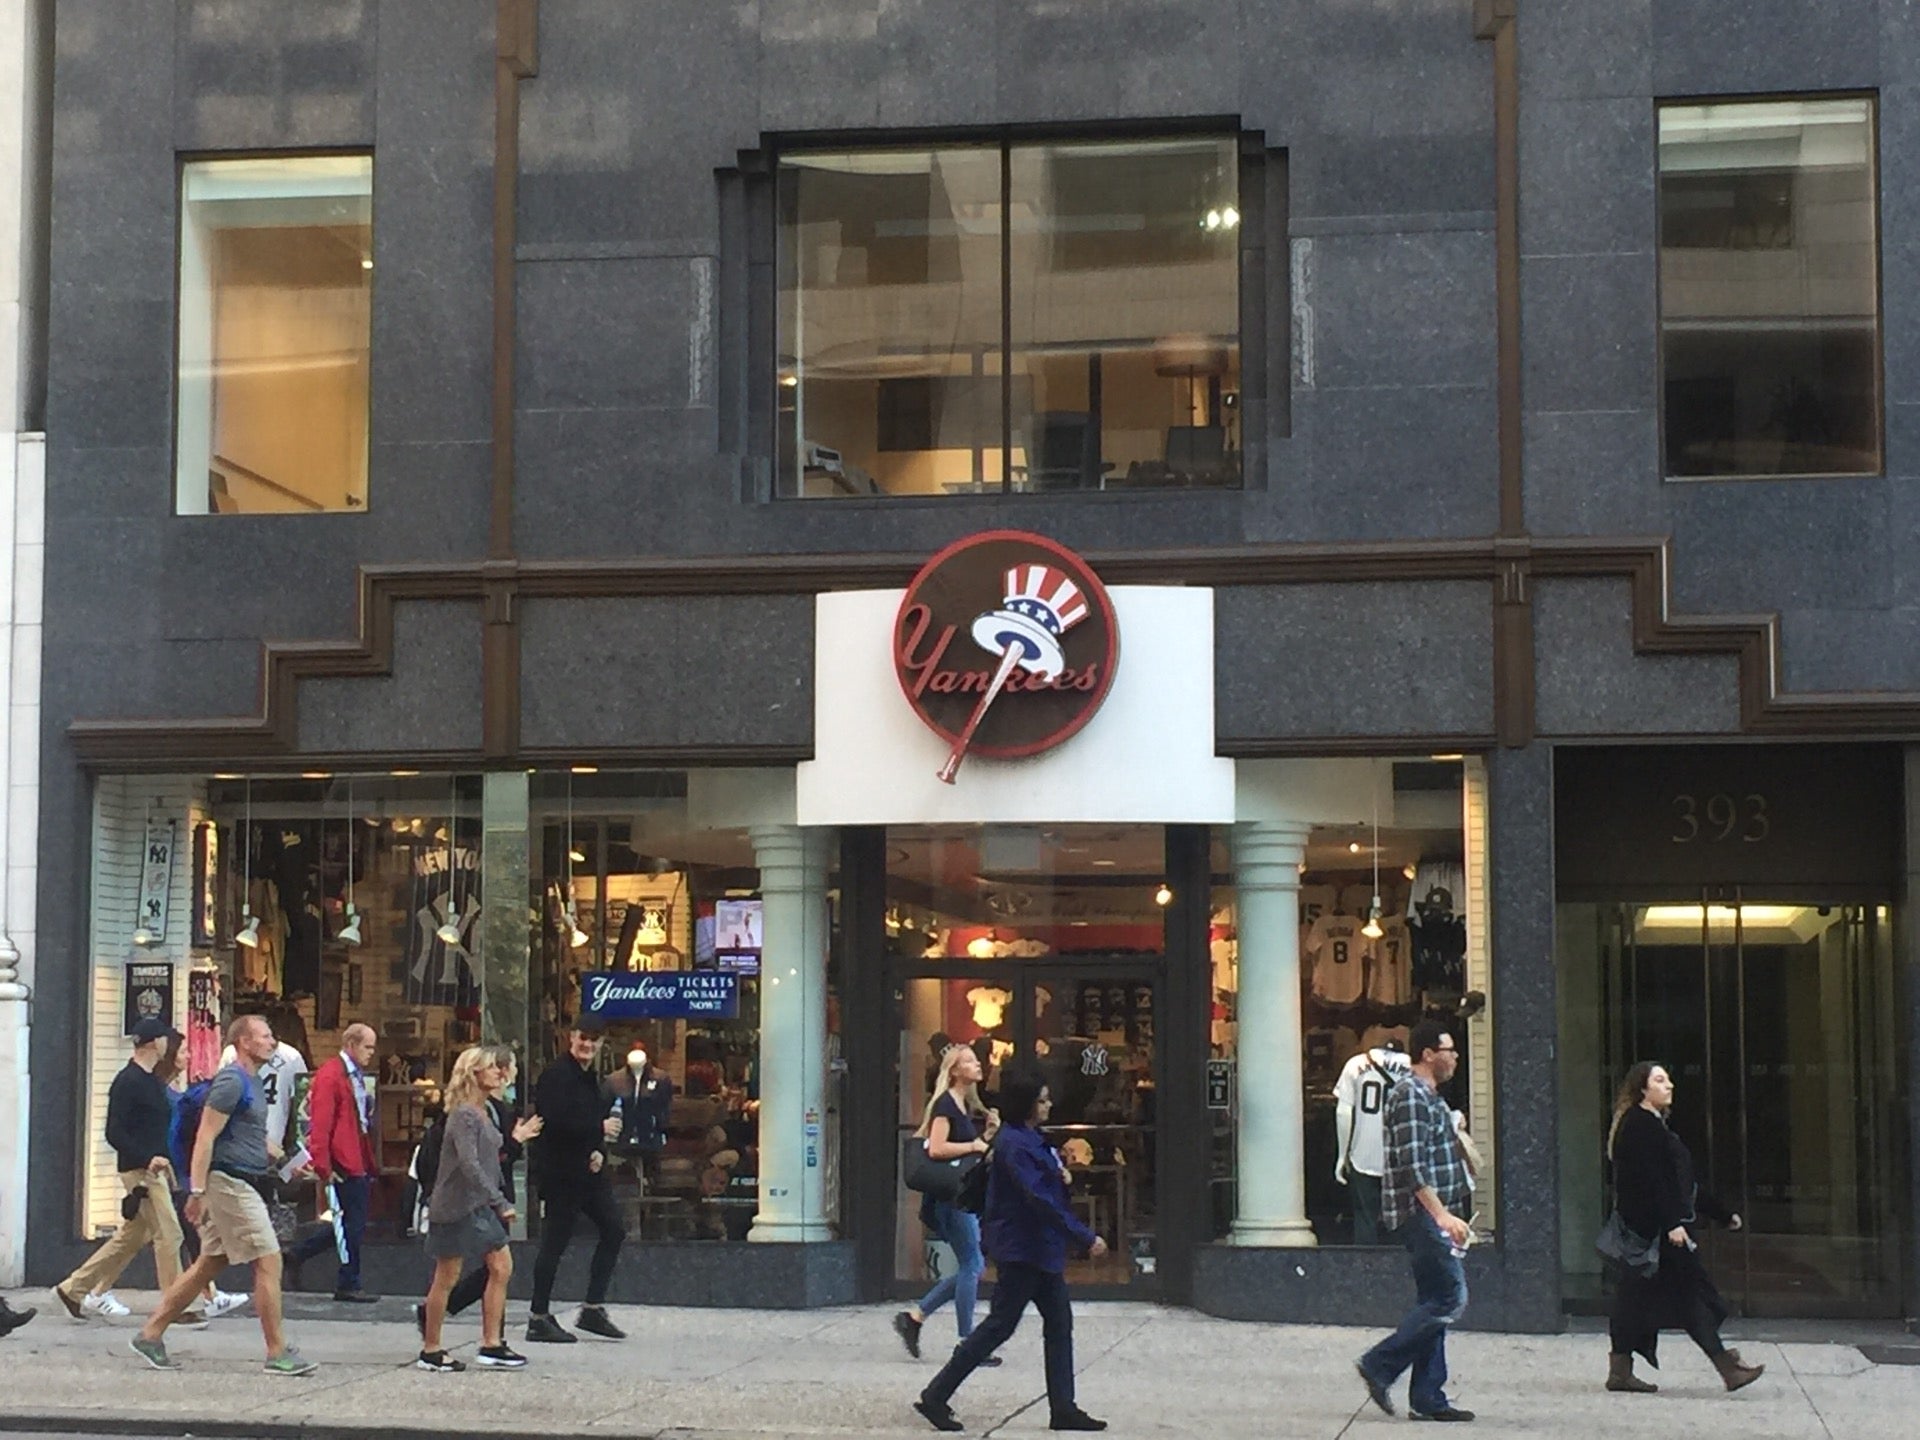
(230,1167)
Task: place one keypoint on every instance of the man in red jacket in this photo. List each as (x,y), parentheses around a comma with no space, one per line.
(344,1111)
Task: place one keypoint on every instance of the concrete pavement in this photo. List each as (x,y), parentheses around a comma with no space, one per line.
(718,1374)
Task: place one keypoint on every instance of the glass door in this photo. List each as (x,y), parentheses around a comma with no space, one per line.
(1777,1023)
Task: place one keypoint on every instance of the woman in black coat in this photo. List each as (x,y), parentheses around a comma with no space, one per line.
(1655,1193)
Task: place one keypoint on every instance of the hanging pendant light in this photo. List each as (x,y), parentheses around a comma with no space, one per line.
(1373,929)
(577,939)
(350,932)
(449,931)
(249,935)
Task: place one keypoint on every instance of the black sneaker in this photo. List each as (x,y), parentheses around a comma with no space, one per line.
(908,1329)
(545,1330)
(439,1362)
(499,1357)
(1446,1413)
(1075,1419)
(594,1320)
(939,1415)
(1376,1392)
(11,1319)
(420,1319)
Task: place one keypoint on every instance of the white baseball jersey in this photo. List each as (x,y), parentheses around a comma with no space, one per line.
(1362,1086)
(275,1079)
(1315,901)
(1338,953)
(1390,979)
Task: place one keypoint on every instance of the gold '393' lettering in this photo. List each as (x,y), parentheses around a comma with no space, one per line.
(1714,819)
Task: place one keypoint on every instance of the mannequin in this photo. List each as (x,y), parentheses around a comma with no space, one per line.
(645,1095)
(1360,1125)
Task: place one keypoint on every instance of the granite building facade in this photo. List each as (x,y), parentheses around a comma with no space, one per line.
(1555,456)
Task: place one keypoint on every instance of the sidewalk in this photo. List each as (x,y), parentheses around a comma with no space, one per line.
(710,1374)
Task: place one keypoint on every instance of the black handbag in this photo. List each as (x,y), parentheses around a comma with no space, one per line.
(937,1179)
(1624,1246)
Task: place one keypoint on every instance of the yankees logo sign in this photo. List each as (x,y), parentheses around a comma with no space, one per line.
(1005,645)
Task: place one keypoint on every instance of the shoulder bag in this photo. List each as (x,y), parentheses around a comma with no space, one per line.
(1625,1247)
(937,1179)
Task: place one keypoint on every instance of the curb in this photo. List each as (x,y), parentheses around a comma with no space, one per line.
(158,1427)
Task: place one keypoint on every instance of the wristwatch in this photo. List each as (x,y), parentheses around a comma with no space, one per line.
(192,1193)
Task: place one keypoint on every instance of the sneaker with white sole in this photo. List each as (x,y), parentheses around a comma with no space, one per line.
(289,1362)
(154,1352)
(105,1305)
(225,1302)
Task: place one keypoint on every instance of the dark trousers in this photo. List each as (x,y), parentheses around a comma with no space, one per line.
(1014,1288)
(1679,1296)
(1366,1207)
(593,1201)
(1420,1344)
(353,1196)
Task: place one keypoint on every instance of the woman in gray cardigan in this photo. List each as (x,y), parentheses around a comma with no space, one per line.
(468,1212)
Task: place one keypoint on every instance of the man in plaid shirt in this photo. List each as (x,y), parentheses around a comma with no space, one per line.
(1426,1181)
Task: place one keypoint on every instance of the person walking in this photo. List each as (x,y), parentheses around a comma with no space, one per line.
(228,1172)
(468,1213)
(955,1123)
(345,1155)
(515,1132)
(1656,1194)
(1030,1223)
(215,1302)
(1426,1181)
(139,1117)
(570,1162)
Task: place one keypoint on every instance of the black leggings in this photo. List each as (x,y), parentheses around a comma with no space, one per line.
(593,1202)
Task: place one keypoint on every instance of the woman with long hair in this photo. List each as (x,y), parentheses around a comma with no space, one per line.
(1030,1224)
(468,1212)
(955,1123)
(1656,1194)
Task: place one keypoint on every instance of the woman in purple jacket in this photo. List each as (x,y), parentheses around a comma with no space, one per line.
(1028,1226)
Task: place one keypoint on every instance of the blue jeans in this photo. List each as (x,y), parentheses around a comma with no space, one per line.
(961,1230)
(1420,1344)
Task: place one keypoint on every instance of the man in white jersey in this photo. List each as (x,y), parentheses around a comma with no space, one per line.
(1360,1097)
(1338,953)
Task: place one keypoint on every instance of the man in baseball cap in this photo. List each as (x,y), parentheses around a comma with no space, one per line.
(139,1115)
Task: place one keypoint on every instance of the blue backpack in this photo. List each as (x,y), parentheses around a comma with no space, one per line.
(185,1125)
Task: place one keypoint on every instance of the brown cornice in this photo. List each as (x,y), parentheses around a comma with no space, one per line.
(1753,640)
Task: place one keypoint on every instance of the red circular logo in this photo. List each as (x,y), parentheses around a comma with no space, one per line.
(1005,645)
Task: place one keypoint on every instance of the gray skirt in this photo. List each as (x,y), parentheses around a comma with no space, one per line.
(467,1237)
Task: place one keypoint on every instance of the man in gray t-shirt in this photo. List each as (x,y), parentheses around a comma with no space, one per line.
(241,1146)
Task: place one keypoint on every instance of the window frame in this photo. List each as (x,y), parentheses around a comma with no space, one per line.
(1262,303)
(1872,99)
(183,161)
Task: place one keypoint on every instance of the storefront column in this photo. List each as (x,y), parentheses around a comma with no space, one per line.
(1271,1149)
(793,1032)
(505,883)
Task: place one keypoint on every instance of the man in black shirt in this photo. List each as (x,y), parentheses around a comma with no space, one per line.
(139,1116)
(569,1160)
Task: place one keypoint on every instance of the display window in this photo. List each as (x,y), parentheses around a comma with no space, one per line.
(1392,929)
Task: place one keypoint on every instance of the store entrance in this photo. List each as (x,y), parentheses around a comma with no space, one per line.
(1777,1022)
(1087,1024)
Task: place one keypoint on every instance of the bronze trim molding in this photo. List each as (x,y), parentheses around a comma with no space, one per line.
(1642,561)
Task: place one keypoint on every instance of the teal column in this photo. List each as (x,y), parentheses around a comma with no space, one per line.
(505,888)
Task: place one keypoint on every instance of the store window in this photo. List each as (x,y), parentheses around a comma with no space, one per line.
(634,876)
(1020,317)
(1361,991)
(1769,288)
(275,319)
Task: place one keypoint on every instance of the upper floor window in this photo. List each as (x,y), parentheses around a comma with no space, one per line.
(1025,317)
(276,284)
(1769,288)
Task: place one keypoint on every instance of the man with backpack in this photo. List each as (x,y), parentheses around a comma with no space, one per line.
(138,1115)
(229,1173)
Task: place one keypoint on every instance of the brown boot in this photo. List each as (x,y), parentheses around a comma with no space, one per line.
(1620,1377)
(1734,1372)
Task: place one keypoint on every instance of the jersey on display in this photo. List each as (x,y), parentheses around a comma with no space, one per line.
(275,1078)
(1390,979)
(1363,1085)
(1315,901)
(1337,952)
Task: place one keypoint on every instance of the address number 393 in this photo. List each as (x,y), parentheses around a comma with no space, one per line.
(1711,819)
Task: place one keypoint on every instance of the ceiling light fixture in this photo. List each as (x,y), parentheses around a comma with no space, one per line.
(576,937)
(1163,896)
(249,935)
(449,931)
(1372,929)
(350,932)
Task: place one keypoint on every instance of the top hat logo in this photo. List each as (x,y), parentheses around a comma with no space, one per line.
(1046,627)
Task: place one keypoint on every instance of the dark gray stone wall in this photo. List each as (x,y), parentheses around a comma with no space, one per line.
(1826,554)
(429,703)
(1589,681)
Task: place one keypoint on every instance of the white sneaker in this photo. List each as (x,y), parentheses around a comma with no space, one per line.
(107,1307)
(224,1302)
